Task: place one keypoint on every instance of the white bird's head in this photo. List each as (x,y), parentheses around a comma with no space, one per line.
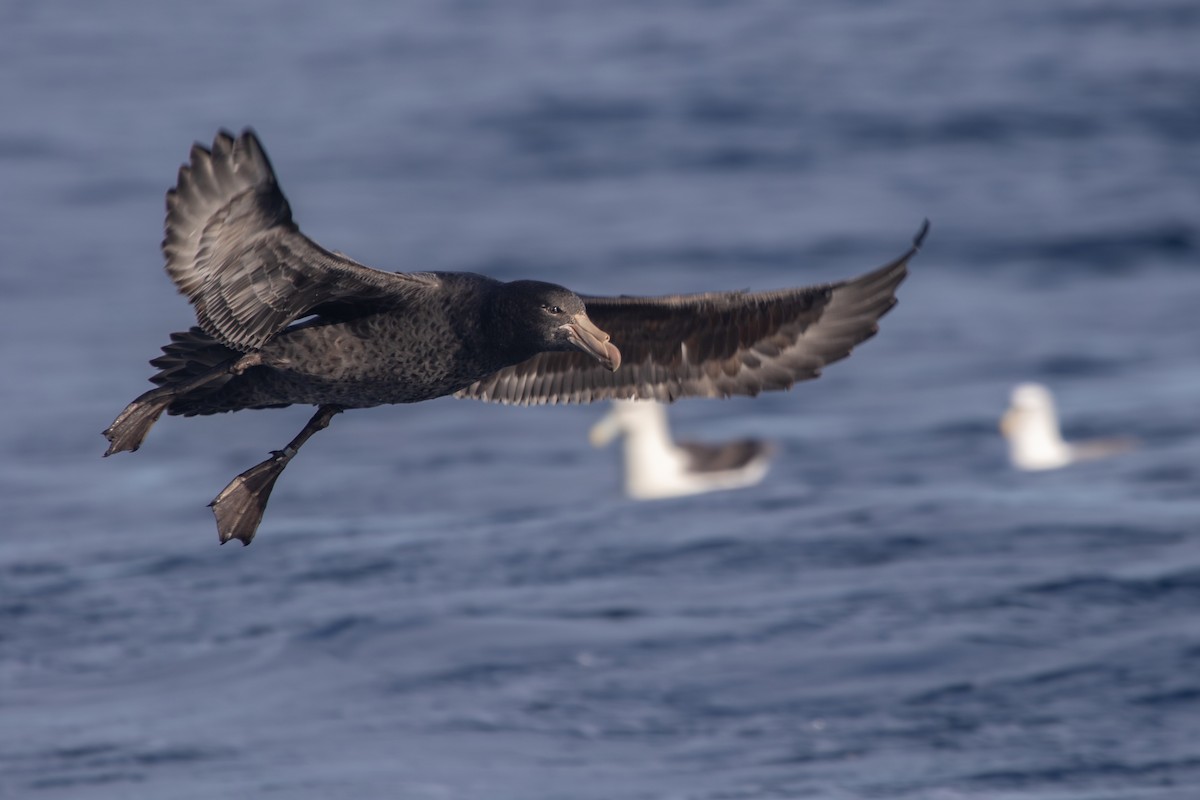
(1031,427)
(630,418)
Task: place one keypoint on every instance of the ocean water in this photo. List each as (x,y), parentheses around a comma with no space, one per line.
(453,600)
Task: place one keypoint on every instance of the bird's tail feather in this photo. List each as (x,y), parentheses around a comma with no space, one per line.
(193,363)
(190,354)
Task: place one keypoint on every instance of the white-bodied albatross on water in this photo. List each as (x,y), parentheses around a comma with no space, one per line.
(1035,442)
(655,466)
(284,321)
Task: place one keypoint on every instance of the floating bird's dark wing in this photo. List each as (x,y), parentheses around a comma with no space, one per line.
(724,457)
(708,345)
(1102,448)
(231,246)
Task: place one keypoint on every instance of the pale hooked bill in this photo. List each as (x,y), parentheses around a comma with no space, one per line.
(1035,442)
(655,466)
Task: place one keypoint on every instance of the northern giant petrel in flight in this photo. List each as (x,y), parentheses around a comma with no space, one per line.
(284,321)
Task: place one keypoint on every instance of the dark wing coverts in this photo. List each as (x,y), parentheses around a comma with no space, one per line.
(232,248)
(708,345)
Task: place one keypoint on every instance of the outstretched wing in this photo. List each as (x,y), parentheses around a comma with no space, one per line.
(232,248)
(708,345)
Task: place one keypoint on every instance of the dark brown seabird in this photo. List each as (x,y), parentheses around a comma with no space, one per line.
(283,321)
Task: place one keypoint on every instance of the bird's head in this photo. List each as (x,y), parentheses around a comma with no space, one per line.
(1030,414)
(546,317)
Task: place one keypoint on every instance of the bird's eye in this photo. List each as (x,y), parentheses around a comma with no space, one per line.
(555,310)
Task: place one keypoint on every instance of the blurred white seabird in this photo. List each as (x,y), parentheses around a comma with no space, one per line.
(1034,440)
(657,467)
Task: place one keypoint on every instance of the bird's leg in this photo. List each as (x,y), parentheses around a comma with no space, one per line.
(240,505)
(131,425)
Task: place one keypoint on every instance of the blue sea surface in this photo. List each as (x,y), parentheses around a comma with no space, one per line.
(453,599)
